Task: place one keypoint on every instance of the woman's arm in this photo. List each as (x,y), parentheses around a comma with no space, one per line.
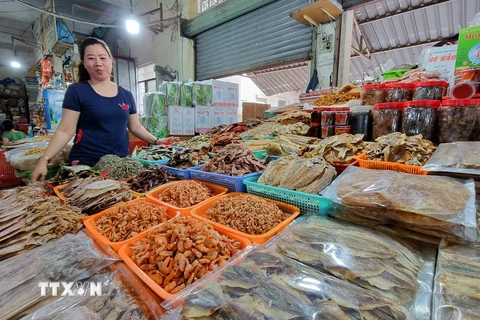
(140,132)
(65,131)
(5,141)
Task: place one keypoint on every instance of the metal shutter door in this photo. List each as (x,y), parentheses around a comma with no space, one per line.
(262,38)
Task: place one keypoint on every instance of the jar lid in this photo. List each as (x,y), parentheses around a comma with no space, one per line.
(373,86)
(472,103)
(361,109)
(318,108)
(423,103)
(389,105)
(437,83)
(405,85)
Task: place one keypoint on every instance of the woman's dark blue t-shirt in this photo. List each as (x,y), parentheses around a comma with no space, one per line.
(102,126)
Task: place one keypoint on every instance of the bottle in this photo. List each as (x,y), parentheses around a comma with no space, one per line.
(30,132)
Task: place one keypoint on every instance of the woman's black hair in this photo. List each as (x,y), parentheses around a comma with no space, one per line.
(83,74)
(7,125)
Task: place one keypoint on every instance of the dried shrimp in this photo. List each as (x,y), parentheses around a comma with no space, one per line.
(34,151)
(180,251)
(185,193)
(129,219)
(245,213)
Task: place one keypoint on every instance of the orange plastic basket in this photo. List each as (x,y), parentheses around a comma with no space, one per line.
(125,252)
(383,165)
(200,212)
(57,191)
(216,190)
(90,223)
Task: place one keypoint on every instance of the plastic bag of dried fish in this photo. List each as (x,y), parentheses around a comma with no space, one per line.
(461,157)
(70,258)
(21,160)
(123,297)
(398,270)
(411,201)
(457,279)
(263,284)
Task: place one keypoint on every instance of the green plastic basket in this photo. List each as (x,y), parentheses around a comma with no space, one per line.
(260,154)
(150,163)
(309,204)
(394,74)
(51,173)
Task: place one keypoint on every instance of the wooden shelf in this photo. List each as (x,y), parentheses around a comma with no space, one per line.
(318,12)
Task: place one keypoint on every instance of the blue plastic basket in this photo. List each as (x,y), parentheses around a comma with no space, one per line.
(180,173)
(233,183)
(149,163)
(308,203)
(271,158)
(178,148)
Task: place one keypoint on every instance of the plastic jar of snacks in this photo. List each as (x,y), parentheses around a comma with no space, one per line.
(373,93)
(362,121)
(475,105)
(328,117)
(399,91)
(430,90)
(387,118)
(457,120)
(420,117)
(342,116)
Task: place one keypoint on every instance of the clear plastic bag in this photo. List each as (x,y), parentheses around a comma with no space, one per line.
(457,281)
(456,157)
(71,258)
(124,296)
(154,104)
(366,258)
(265,284)
(21,159)
(412,201)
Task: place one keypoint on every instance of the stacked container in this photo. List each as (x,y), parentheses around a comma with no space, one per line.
(362,121)
(420,117)
(387,118)
(399,91)
(459,120)
(430,90)
(372,94)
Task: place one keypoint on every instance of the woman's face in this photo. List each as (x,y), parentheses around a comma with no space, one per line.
(97,62)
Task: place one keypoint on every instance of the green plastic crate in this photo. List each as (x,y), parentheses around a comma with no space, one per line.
(394,74)
(150,163)
(309,204)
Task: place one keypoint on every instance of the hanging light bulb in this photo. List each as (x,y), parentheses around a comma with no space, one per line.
(132,25)
(16,64)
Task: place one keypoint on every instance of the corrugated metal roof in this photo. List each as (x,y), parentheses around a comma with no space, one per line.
(292,77)
(388,30)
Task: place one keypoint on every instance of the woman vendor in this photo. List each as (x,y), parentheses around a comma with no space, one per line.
(10,134)
(97,112)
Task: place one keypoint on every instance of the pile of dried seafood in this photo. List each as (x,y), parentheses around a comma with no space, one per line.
(64,259)
(275,129)
(197,142)
(336,149)
(234,160)
(246,213)
(267,285)
(150,178)
(155,153)
(185,194)
(366,258)
(28,220)
(220,140)
(93,195)
(107,162)
(189,158)
(310,175)
(397,147)
(180,251)
(456,282)
(291,117)
(68,173)
(126,220)
(126,168)
(334,98)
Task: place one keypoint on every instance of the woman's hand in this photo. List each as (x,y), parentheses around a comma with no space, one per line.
(169,140)
(40,171)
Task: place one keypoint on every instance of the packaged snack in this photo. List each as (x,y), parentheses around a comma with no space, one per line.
(387,118)
(430,90)
(373,93)
(420,117)
(399,91)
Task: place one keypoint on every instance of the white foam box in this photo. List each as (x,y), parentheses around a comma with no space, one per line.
(232,95)
(203,118)
(218,116)
(188,119)
(231,115)
(175,120)
(219,95)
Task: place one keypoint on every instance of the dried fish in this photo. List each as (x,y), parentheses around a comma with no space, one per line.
(126,168)
(107,162)
(189,158)
(234,160)
(220,140)
(154,153)
(397,147)
(150,178)
(275,129)
(291,117)
(310,175)
(197,142)
(336,149)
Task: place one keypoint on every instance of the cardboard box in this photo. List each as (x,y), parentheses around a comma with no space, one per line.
(188,121)
(219,89)
(203,118)
(253,110)
(231,115)
(218,116)
(233,95)
(468,52)
(175,120)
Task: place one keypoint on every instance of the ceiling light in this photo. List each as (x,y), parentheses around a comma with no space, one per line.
(16,64)
(132,25)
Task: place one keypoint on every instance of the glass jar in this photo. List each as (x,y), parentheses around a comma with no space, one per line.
(430,90)
(372,94)
(399,91)
(362,121)
(420,117)
(387,118)
(457,120)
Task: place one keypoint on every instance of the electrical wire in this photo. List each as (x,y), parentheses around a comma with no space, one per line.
(86,22)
